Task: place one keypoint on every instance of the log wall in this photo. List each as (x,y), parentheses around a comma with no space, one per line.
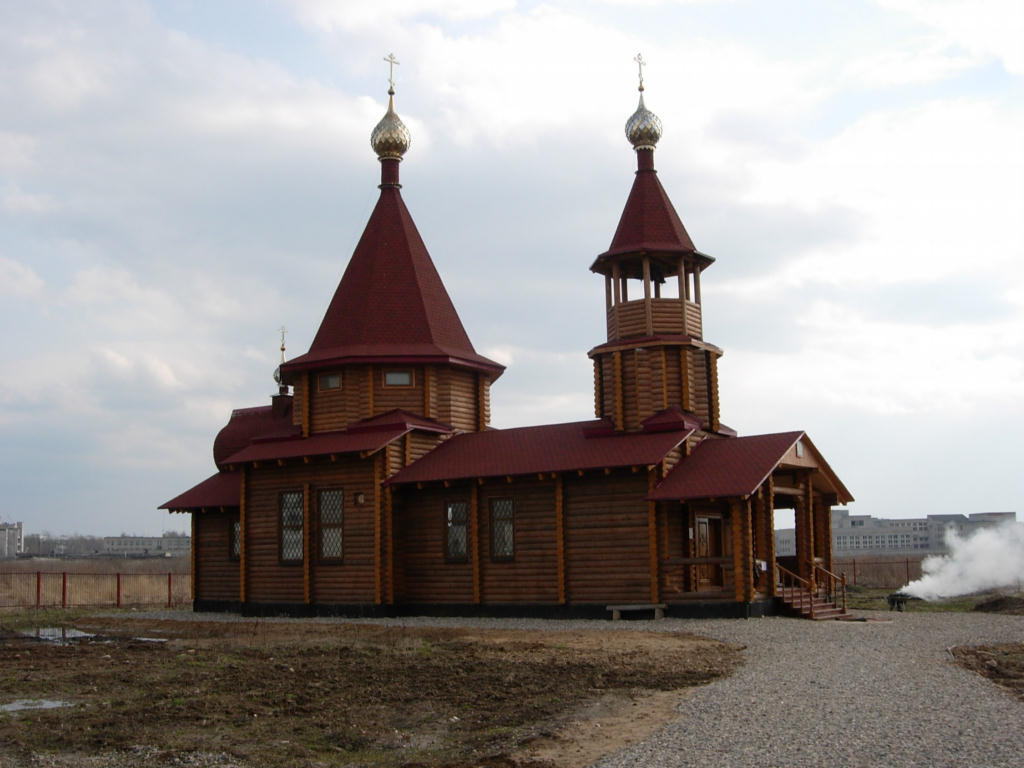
(350,581)
(607,543)
(423,574)
(215,572)
(532,575)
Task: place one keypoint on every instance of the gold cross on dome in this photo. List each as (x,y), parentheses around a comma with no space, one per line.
(639,59)
(392,61)
(283,331)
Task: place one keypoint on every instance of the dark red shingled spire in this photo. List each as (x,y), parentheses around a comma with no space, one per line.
(391,303)
(649,222)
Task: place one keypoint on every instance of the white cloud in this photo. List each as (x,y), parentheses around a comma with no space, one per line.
(930,61)
(350,17)
(984,27)
(939,188)
(16,279)
(17,201)
(17,150)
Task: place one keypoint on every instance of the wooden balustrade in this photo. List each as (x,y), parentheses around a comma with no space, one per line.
(801,590)
(830,584)
(629,318)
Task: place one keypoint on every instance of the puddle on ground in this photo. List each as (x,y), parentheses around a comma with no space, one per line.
(57,634)
(21,704)
(65,635)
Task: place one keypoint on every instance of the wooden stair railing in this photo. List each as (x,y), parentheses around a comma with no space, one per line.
(823,597)
(834,586)
(795,586)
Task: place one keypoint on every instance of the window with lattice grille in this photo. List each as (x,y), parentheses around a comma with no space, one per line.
(331,506)
(291,527)
(457,535)
(502,530)
(236,539)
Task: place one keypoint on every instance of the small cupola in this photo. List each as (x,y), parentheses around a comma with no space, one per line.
(390,138)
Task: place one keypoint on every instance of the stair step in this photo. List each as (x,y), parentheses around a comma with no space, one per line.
(798,601)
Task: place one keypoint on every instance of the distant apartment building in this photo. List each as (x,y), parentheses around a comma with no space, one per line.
(12,540)
(168,545)
(854,535)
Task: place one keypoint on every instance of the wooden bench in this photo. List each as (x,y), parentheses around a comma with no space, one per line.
(618,610)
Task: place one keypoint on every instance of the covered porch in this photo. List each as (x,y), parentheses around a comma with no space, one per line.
(717,509)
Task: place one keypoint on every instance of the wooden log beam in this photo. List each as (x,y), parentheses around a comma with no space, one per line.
(389,550)
(684,378)
(769,499)
(559,538)
(378,565)
(473,545)
(664,378)
(736,528)
(241,537)
(617,367)
(652,540)
(307,553)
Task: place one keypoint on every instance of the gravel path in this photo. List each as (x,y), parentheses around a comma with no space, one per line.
(847,694)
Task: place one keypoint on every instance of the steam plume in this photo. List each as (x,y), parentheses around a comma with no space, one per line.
(988,559)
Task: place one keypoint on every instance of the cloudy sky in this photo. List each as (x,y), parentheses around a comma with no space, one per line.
(179,179)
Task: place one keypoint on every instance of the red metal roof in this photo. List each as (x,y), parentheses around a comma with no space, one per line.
(548,448)
(320,444)
(220,490)
(649,222)
(391,302)
(723,467)
(396,418)
(247,424)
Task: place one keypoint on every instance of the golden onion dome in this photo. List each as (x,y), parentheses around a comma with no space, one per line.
(390,138)
(643,129)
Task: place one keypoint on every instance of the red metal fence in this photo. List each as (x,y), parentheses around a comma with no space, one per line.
(875,572)
(68,589)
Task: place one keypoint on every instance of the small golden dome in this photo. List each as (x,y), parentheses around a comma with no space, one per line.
(390,139)
(643,129)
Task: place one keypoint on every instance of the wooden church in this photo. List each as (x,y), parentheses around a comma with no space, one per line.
(373,483)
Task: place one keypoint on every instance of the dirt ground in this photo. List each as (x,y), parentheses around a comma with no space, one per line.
(1002,664)
(257,693)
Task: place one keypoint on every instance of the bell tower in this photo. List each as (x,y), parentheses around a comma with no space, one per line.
(655,356)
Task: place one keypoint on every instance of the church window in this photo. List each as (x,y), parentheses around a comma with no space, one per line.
(330,504)
(236,539)
(327,381)
(291,527)
(457,534)
(502,529)
(398,378)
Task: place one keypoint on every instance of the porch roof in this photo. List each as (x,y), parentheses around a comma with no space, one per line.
(220,490)
(725,467)
(737,466)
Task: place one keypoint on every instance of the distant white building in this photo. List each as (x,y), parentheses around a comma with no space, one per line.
(167,545)
(854,535)
(12,540)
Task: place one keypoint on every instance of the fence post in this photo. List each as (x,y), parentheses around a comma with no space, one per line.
(64,589)
(169,592)
(39,588)
(118,589)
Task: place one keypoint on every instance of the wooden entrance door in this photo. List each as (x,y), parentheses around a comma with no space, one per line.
(709,544)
